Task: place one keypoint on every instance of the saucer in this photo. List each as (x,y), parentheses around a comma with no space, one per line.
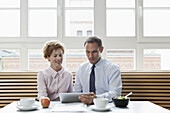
(27,108)
(93,107)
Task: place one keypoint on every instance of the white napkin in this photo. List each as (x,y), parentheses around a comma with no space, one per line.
(69,107)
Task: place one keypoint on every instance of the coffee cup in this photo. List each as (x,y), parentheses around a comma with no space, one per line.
(100,102)
(26,102)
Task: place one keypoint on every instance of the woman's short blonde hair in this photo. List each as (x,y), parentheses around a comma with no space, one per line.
(51,45)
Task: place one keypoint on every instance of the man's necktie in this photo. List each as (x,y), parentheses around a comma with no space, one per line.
(92,80)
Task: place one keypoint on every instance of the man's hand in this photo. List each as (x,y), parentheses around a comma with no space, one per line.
(87,99)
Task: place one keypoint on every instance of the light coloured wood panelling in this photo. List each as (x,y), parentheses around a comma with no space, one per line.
(146,86)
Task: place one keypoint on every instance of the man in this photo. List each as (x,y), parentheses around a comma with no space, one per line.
(100,77)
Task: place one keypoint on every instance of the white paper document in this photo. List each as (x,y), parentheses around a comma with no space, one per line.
(69,107)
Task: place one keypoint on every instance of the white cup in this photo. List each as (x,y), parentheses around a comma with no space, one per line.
(100,102)
(26,102)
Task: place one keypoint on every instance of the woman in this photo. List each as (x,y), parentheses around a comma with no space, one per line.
(55,79)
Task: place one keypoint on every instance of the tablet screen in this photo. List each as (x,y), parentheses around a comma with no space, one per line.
(70,97)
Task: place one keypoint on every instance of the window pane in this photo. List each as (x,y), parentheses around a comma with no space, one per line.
(120,3)
(79,3)
(156,22)
(156,3)
(156,59)
(36,60)
(125,59)
(42,3)
(9,23)
(43,23)
(120,23)
(9,59)
(79,22)
(9,3)
(74,57)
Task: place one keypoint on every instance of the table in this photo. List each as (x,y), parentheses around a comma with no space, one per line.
(133,107)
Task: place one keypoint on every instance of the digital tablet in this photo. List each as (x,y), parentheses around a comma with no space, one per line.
(70,97)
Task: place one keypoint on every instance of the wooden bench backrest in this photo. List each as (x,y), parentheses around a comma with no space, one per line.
(16,85)
(146,86)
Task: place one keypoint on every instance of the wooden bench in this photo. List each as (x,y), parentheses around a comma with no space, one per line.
(146,86)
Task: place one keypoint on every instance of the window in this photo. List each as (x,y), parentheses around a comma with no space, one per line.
(156,17)
(36,60)
(79,17)
(74,57)
(9,18)
(9,59)
(42,18)
(10,3)
(125,59)
(130,29)
(156,59)
(120,16)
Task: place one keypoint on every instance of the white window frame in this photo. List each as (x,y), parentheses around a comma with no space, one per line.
(138,43)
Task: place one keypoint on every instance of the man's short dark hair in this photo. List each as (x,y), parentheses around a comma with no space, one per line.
(93,39)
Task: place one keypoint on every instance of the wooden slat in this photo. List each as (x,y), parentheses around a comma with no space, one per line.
(147,84)
(166,106)
(2,91)
(18,84)
(9,77)
(132,90)
(2,105)
(148,80)
(147,87)
(19,80)
(16,97)
(155,77)
(149,94)
(2,101)
(18,73)
(144,73)
(151,98)
(160,102)
(18,87)
(19,94)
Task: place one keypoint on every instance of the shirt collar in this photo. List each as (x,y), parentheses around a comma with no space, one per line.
(97,64)
(55,73)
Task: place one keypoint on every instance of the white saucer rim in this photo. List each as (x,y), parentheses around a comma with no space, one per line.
(100,109)
(28,108)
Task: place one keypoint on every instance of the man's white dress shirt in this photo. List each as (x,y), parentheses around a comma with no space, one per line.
(107,79)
